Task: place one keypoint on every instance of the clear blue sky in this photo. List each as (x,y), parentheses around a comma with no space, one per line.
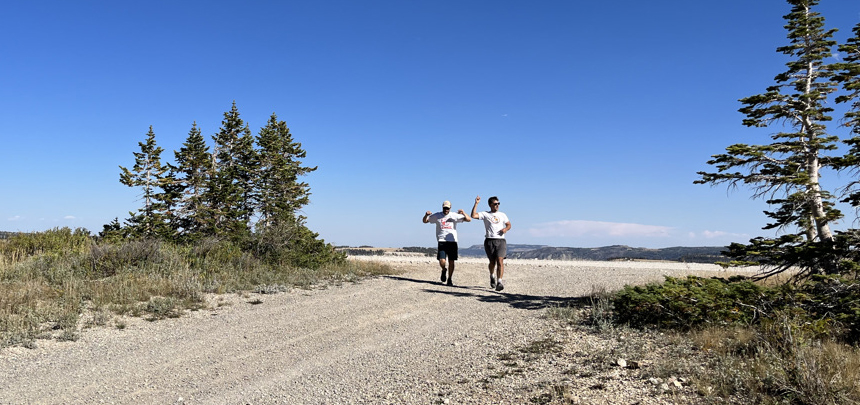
(589,120)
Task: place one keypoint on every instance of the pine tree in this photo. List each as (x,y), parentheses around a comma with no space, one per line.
(229,190)
(280,193)
(788,171)
(112,232)
(193,166)
(147,173)
(170,197)
(849,75)
(247,174)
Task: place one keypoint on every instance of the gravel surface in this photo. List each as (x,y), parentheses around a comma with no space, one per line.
(403,339)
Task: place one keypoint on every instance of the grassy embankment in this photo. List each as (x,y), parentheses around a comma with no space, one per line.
(54,284)
(781,353)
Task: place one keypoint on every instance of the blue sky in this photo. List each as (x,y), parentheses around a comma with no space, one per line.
(589,120)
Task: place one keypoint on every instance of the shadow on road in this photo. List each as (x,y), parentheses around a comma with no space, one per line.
(519,301)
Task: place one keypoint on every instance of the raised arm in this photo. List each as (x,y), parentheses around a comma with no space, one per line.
(475,208)
(426,218)
(465,217)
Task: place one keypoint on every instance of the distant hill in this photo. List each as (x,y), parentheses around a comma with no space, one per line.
(705,254)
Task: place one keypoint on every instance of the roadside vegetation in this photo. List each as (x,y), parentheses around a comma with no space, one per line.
(228,221)
(736,341)
(212,221)
(762,340)
(55,283)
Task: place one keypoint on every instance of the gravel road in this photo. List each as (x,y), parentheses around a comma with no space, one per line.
(403,339)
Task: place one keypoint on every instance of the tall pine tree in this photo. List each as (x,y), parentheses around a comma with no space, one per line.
(148,173)
(280,192)
(171,199)
(229,191)
(247,174)
(848,74)
(193,167)
(788,171)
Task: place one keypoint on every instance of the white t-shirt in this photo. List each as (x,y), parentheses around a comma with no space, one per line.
(493,223)
(446,225)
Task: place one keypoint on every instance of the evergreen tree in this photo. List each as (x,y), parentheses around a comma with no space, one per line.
(112,232)
(193,166)
(148,174)
(217,194)
(788,170)
(247,175)
(280,193)
(229,189)
(171,198)
(849,75)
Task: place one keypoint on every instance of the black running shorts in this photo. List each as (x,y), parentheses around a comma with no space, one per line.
(446,250)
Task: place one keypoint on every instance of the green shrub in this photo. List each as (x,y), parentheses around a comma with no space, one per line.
(211,253)
(293,244)
(57,240)
(162,308)
(142,256)
(829,306)
(820,307)
(685,303)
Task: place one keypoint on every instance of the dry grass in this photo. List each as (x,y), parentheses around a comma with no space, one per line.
(54,294)
(779,362)
(767,367)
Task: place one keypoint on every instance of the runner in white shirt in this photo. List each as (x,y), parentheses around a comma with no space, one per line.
(496,224)
(446,235)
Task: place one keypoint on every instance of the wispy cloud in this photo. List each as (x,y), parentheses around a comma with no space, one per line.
(15,218)
(69,217)
(577,228)
(717,234)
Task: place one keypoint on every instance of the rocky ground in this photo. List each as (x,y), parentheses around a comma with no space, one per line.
(403,339)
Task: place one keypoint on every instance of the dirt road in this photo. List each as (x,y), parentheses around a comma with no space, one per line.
(395,339)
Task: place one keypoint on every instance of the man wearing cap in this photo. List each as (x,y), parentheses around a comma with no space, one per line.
(446,235)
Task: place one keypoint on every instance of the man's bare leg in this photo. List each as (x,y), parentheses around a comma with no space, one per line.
(500,268)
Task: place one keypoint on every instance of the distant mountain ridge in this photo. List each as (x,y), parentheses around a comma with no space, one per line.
(703,254)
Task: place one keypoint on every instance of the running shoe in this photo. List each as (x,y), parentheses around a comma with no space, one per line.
(499,286)
(444,275)
(492,281)
(451,282)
